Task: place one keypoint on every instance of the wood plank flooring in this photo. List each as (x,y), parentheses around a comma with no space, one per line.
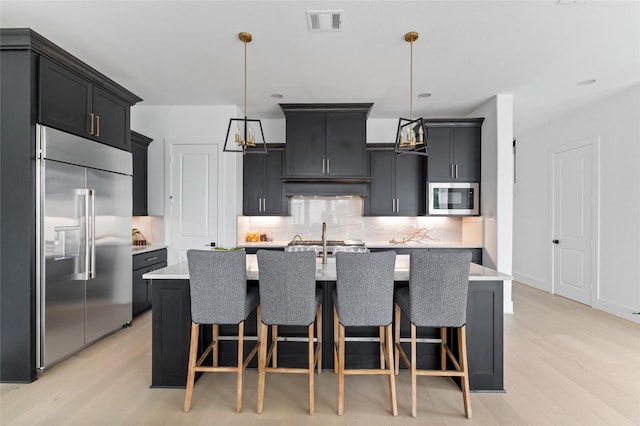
(565,364)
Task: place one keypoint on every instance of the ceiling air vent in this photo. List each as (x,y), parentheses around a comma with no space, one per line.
(324,20)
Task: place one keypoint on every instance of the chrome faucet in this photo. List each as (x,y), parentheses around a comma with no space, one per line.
(324,242)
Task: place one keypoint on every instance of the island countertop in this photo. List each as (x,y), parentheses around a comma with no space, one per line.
(327,272)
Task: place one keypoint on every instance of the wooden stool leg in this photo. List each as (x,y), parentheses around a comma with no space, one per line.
(191,374)
(462,344)
(215,331)
(414,373)
(381,350)
(341,335)
(262,364)
(240,362)
(311,361)
(443,348)
(392,377)
(274,342)
(319,338)
(396,351)
(336,339)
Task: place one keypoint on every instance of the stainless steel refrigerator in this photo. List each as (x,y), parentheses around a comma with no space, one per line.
(83,270)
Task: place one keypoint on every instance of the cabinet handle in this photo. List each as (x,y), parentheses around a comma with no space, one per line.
(451,171)
(97,125)
(397,205)
(323,165)
(91,119)
(151,258)
(328,168)
(456,172)
(259,205)
(264,205)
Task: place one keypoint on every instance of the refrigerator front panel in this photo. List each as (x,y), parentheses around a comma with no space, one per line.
(63,265)
(109,293)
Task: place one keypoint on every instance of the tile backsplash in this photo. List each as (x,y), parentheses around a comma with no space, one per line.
(344,219)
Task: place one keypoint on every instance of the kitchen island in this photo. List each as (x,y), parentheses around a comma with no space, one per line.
(172,320)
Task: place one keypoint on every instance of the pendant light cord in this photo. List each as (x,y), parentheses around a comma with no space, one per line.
(411,84)
(245,80)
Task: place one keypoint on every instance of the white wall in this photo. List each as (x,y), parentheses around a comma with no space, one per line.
(191,124)
(496,202)
(616,121)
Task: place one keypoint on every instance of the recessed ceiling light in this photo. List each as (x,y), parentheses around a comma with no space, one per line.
(424,95)
(277,95)
(586,82)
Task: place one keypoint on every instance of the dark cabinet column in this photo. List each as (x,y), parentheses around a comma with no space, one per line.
(262,190)
(410,185)
(56,83)
(112,120)
(397,185)
(439,159)
(306,134)
(454,150)
(139,146)
(466,152)
(346,152)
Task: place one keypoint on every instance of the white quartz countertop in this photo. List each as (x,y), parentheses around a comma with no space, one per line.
(147,248)
(377,244)
(325,272)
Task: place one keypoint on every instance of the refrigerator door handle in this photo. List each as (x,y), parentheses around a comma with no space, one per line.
(91,272)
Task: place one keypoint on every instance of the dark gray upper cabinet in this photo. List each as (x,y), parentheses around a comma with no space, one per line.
(87,110)
(454,150)
(397,185)
(262,188)
(139,145)
(326,140)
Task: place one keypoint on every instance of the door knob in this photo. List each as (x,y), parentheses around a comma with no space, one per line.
(555,241)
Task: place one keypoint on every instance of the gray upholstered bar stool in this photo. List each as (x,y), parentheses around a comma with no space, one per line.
(219,295)
(288,296)
(364,297)
(436,297)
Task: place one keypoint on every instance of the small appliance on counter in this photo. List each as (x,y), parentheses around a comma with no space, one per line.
(137,239)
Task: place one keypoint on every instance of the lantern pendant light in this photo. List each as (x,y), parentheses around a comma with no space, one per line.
(411,137)
(245,137)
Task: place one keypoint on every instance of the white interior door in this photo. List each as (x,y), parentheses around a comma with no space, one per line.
(194,195)
(573,216)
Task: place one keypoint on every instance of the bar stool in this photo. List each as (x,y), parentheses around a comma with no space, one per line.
(288,296)
(436,297)
(219,295)
(364,297)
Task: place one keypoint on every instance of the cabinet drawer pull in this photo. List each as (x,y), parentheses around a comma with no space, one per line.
(456,172)
(328,168)
(151,258)
(91,119)
(97,125)
(323,160)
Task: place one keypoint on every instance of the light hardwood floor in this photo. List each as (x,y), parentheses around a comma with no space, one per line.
(565,364)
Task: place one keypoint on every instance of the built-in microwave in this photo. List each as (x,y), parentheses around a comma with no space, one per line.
(453,198)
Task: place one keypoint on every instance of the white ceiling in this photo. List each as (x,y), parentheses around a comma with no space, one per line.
(188,52)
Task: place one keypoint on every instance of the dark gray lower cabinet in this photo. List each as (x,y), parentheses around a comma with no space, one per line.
(172,321)
(143,263)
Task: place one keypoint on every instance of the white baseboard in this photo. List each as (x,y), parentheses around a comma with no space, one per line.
(532,282)
(617,310)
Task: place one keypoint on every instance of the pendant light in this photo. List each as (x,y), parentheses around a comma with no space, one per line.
(248,137)
(411,137)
